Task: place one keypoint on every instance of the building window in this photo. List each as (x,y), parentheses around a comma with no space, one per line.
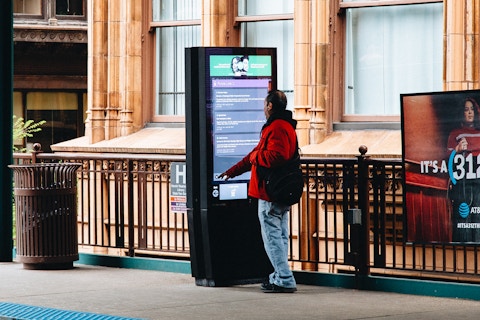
(69,8)
(48,11)
(264,7)
(27,7)
(390,50)
(177,25)
(262,20)
(61,111)
(170,61)
(18,113)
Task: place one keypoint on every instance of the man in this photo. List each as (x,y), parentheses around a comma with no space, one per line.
(277,145)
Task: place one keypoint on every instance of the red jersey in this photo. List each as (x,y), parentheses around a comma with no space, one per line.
(472,136)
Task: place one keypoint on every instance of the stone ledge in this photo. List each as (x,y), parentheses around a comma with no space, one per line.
(380,144)
(340,144)
(147,140)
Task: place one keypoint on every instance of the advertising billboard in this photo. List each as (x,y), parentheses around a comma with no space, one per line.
(441,152)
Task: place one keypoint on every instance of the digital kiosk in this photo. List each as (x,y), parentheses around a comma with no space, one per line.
(225,91)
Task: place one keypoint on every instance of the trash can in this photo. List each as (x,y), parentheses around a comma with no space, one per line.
(46,214)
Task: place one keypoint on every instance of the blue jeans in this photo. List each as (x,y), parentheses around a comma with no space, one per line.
(274,225)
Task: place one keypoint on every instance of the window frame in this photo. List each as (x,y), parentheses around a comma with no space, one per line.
(246,19)
(41,16)
(338,63)
(69,17)
(151,73)
(48,12)
(153,25)
(260,18)
(81,109)
(379,3)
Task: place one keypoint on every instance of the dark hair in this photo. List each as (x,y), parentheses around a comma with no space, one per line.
(475,104)
(278,100)
(476,111)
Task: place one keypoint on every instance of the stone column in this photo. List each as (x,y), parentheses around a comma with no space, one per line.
(131,111)
(320,63)
(311,69)
(302,106)
(461,45)
(115,69)
(218,28)
(97,70)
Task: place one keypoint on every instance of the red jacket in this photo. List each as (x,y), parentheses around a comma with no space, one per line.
(277,145)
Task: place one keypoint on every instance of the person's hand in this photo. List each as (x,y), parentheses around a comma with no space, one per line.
(462,145)
(224,176)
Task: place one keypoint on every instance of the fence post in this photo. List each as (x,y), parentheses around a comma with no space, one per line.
(130,214)
(362,268)
(37,148)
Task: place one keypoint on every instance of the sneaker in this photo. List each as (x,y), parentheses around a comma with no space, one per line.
(265,284)
(273,288)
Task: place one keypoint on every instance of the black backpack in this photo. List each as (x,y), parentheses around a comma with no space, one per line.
(284,184)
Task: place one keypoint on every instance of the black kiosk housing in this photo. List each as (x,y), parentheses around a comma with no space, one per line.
(225,90)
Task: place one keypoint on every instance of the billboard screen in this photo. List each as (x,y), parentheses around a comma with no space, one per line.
(237,83)
(441,152)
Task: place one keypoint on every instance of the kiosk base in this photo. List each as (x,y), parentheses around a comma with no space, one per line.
(232,248)
(216,283)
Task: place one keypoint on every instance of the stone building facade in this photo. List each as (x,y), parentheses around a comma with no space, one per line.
(50,67)
(124,59)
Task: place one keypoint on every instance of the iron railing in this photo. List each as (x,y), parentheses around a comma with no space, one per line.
(124,209)
(123,204)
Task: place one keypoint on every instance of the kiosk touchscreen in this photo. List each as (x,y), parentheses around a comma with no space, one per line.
(225,92)
(237,114)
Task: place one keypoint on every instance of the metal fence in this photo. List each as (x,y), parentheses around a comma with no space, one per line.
(324,236)
(124,208)
(123,204)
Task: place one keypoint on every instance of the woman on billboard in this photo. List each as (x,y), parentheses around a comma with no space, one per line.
(464,190)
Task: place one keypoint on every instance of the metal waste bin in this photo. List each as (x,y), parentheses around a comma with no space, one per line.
(46,214)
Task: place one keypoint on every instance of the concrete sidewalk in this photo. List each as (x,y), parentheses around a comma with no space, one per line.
(163,295)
